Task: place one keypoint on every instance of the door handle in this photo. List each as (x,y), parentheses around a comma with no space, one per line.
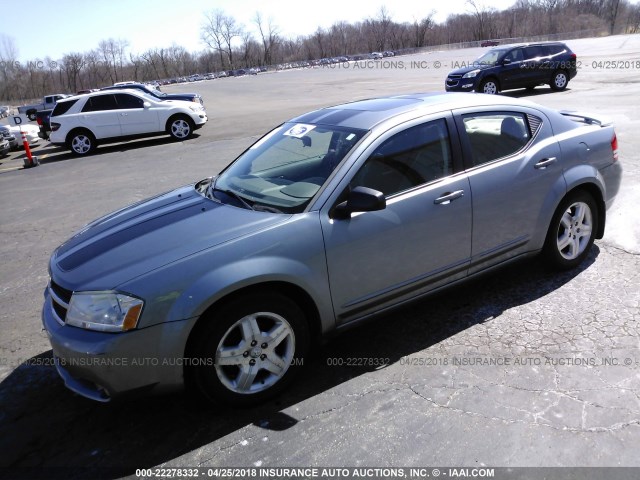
(544,163)
(123,114)
(448,197)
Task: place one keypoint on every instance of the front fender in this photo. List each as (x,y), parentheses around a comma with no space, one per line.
(222,282)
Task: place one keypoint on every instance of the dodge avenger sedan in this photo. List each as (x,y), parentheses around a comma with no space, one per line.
(327,220)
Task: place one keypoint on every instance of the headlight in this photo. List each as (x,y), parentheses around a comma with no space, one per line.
(197,108)
(104,311)
(471,74)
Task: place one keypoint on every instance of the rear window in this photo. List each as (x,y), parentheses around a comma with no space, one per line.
(63,107)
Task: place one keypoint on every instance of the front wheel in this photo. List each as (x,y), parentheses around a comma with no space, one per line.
(489,86)
(180,128)
(250,349)
(572,231)
(559,80)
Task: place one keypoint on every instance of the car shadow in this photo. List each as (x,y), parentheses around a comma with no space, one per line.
(52,153)
(46,427)
(538,91)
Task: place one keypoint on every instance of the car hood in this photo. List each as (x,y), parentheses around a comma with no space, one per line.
(181,96)
(143,237)
(470,68)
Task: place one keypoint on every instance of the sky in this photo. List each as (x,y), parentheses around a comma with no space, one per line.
(67,26)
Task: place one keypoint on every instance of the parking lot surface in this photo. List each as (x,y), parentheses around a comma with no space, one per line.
(520,368)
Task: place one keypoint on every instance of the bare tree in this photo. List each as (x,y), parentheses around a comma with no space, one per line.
(485,27)
(211,32)
(219,32)
(72,65)
(420,29)
(270,36)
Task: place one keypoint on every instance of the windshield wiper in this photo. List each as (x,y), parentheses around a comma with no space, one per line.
(232,194)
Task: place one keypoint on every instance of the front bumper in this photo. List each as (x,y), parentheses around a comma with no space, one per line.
(102,366)
(460,84)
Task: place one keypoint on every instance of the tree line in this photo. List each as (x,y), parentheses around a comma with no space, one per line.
(231,45)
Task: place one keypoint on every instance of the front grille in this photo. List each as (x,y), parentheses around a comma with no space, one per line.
(60,298)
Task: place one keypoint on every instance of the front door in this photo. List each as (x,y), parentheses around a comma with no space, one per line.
(421,240)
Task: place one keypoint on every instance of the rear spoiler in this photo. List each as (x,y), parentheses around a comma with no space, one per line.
(587,118)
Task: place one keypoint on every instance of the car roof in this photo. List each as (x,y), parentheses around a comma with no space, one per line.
(102,92)
(530,44)
(365,114)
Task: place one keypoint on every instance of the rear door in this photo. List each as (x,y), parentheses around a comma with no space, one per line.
(534,65)
(514,170)
(421,240)
(100,116)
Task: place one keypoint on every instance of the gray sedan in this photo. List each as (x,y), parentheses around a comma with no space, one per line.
(327,220)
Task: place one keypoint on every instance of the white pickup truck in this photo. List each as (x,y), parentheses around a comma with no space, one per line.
(49,101)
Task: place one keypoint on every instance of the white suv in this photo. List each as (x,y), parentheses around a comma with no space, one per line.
(83,121)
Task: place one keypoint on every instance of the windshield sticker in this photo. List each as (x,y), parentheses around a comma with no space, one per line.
(299,130)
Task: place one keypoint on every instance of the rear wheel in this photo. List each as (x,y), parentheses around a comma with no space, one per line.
(81,142)
(572,231)
(559,80)
(250,349)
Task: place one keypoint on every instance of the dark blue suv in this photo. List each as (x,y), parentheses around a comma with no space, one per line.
(516,66)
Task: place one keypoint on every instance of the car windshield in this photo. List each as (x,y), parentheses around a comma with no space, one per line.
(490,58)
(154,92)
(283,170)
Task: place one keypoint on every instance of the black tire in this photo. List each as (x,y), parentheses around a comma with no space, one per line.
(31,115)
(81,142)
(559,80)
(568,242)
(180,127)
(242,327)
(489,86)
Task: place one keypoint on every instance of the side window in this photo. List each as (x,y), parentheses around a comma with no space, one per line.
(532,52)
(553,50)
(418,155)
(128,101)
(99,103)
(514,55)
(495,135)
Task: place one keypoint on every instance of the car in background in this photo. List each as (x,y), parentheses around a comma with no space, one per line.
(489,43)
(5,134)
(4,111)
(13,134)
(48,102)
(188,97)
(516,66)
(80,123)
(5,148)
(329,219)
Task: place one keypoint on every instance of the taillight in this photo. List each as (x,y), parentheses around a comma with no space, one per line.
(39,121)
(55,126)
(614,147)
(573,57)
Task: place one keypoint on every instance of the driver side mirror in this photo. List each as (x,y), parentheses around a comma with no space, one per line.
(360,199)
(506,61)
(146,105)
